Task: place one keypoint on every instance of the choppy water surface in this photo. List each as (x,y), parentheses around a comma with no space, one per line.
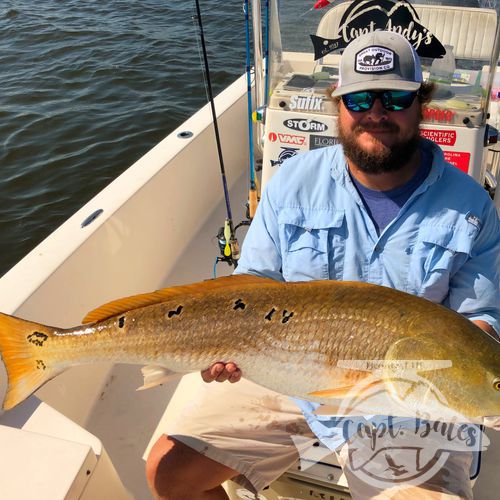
(87,88)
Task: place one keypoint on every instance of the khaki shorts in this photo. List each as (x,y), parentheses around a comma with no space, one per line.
(243,426)
(252,429)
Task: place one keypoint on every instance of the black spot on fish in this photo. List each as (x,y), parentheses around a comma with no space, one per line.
(239,304)
(40,365)
(269,315)
(286,316)
(37,338)
(176,312)
(121,322)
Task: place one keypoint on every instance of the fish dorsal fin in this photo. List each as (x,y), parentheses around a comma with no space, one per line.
(125,304)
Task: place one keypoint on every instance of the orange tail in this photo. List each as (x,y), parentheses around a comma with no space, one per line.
(23,349)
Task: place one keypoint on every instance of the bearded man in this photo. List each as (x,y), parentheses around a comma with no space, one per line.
(382,207)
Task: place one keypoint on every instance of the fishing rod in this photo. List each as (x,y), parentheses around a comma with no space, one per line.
(266,54)
(230,248)
(252,194)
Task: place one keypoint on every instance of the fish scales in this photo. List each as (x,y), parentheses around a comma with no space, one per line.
(288,337)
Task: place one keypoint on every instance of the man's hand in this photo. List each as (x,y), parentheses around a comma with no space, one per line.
(221,372)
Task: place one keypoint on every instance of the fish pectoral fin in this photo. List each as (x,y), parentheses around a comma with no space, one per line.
(157,375)
(338,392)
(346,390)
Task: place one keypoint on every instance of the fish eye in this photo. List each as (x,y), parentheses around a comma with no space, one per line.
(496,384)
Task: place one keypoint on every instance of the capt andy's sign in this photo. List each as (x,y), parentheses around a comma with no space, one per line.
(365,16)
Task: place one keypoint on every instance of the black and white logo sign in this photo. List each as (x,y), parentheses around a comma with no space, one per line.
(374,60)
(365,16)
(284,155)
(305,125)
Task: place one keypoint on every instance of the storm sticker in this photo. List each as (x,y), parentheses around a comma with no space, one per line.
(305,125)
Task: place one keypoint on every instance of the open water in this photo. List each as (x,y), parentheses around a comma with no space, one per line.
(86,88)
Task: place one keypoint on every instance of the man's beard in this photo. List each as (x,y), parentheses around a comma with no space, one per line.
(386,159)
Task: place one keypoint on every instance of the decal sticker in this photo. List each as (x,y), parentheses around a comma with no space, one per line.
(443,137)
(374,60)
(365,16)
(306,103)
(305,125)
(438,115)
(321,141)
(284,155)
(296,140)
(459,159)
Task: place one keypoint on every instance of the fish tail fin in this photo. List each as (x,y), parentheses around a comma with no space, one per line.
(23,350)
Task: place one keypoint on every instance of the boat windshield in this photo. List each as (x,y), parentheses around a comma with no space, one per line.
(457,42)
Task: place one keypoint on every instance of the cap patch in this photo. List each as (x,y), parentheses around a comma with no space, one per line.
(374,60)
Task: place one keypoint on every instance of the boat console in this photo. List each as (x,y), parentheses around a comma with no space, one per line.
(300,116)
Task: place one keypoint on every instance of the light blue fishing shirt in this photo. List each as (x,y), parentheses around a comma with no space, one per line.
(444,244)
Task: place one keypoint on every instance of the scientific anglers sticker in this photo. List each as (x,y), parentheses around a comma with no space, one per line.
(365,16)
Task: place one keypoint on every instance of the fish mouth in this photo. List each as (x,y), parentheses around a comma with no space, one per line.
(492,422)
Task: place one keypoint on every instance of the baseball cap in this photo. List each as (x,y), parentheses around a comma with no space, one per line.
(377,61)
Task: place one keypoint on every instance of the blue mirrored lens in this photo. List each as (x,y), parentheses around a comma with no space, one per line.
(392,100)
(359,101)
(396,100)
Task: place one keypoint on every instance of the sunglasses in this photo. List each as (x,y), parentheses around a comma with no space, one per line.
(392,100)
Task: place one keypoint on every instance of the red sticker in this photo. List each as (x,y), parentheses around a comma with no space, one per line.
(297,140)
(459,159)
(442,137)
(273,137)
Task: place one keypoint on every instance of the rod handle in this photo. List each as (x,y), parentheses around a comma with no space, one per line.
(252,202)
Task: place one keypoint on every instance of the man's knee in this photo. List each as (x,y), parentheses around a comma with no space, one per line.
(174,470)
(159,450)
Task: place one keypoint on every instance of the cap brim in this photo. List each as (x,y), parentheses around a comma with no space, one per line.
(377,85)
